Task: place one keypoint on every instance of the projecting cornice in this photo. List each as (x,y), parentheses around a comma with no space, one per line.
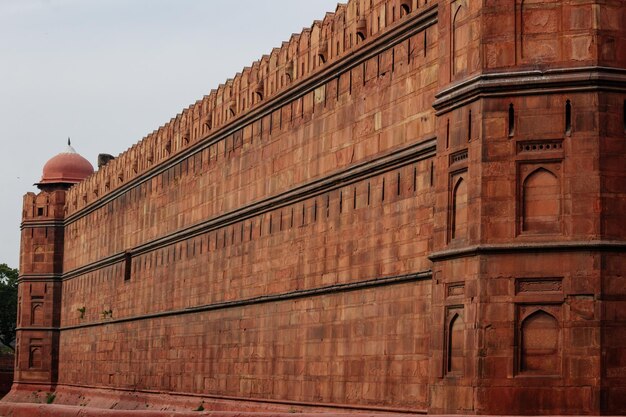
(526,247)
(566,80)
(29,224)
(39,277)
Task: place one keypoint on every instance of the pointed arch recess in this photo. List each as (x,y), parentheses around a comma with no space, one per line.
(455,344)
(460,39)
(540,342)
(541,202)
(459,215)
(36,316)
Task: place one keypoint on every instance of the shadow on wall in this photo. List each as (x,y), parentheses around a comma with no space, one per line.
(6,373)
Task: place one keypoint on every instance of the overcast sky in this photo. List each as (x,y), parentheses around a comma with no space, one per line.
(108,72)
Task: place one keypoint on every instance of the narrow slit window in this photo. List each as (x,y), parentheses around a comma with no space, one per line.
(340,202)
(568,117)
(398,182)
(511,120)
(469,126)
(128,266)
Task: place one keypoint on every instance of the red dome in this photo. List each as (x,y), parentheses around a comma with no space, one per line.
(66,167)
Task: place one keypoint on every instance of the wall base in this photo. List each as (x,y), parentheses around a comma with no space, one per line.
(36,399)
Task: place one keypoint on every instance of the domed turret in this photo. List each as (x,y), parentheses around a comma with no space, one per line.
(68,167)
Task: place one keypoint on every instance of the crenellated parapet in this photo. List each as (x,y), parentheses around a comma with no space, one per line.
(305,54)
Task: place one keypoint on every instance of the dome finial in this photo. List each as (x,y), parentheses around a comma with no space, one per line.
(69,142)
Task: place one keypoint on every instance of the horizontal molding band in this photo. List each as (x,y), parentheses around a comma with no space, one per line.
(292,295)
(411,154)
(37,329)
(507,248)
(31,224)
(39,277)
(415,24)
(134,391)
(565,80)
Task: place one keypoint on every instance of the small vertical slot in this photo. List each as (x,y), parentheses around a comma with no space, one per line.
(383,191)
(398,182)
(340,201)
(327,205)
(568,118)
(511,120)
(127,265)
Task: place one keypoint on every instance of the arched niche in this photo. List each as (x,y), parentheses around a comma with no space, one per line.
(35,358)
(36,314)
(405,8)
(455,344)
(38,254)
(459,213)
(460,33)
(541,202)
(540,344)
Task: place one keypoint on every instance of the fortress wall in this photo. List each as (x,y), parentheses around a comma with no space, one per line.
(367,347)
(318,242)
(308,53)
(374,109)
(314,214)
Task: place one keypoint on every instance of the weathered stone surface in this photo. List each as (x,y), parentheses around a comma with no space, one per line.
(411,206)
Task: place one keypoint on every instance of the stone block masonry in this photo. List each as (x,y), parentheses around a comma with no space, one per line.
(412,206)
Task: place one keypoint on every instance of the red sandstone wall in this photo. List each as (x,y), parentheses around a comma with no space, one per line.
(337,241)
(367,347)
(318,174)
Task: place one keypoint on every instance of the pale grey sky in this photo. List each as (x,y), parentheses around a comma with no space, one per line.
(108,72)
